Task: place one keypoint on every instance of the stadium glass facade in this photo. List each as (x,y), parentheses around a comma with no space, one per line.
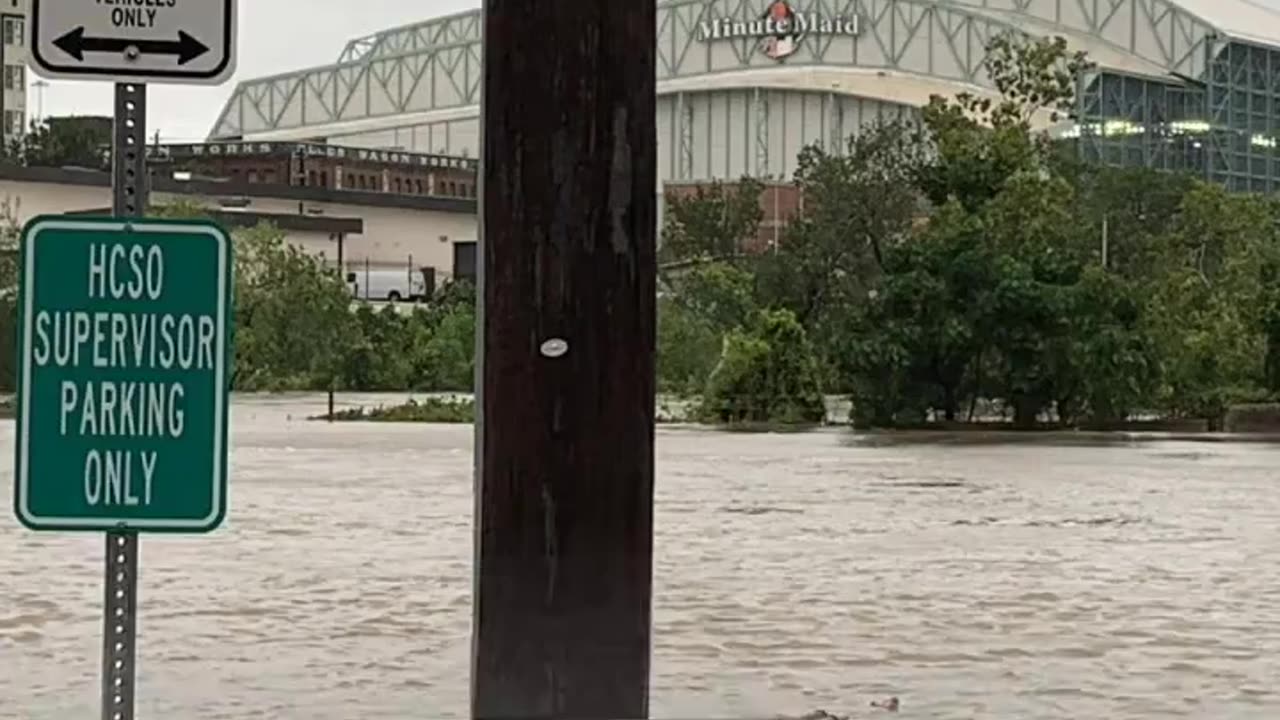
(1223,125)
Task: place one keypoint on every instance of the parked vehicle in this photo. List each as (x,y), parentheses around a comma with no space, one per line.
(392,285)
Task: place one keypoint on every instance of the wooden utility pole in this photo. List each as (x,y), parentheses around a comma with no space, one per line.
(564,437)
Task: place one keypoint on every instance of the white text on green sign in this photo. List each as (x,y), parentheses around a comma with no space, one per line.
(125,341)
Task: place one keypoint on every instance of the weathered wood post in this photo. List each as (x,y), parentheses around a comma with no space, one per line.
(564,436)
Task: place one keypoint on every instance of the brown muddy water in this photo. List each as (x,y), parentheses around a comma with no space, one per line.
(793,572)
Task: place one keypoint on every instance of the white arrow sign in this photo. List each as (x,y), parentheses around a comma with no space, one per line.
(190,42)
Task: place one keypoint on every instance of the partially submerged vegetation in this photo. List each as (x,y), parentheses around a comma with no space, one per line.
(952,272)
(429,410)
(944,273)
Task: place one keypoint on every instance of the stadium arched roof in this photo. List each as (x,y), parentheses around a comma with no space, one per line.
(430,71)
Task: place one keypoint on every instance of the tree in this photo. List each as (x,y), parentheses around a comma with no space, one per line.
(979,142)
(766,373)
(712,223)
(1110,365)
(293,319)
(1210,307)
(64,141)
(856,204)
(918,336)
(688,348)
(9,236)
(450,353)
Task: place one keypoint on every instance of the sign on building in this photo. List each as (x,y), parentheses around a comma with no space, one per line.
(125,333)
(780,30)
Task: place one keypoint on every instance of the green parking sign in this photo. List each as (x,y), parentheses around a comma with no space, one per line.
(125,336)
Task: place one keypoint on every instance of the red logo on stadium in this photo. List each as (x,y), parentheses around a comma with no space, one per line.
(784,30)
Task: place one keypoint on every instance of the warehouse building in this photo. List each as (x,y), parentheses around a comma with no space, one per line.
(1177,84)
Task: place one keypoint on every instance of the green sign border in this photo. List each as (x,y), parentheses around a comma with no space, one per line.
(26,298)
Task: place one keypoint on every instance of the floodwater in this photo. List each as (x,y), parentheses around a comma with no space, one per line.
(793,572)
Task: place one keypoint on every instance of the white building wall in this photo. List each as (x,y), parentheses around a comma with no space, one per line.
(722,128)
(393,237)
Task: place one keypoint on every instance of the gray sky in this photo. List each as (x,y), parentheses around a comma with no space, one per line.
(272,40)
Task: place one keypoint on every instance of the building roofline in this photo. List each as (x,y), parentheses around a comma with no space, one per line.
(251,218)
(96,178)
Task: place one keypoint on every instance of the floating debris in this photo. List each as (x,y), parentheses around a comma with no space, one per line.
(891,704)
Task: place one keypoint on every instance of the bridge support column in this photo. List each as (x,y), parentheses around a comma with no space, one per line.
(564,436)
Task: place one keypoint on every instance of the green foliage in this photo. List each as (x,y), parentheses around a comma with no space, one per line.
(688,348)
(293,319)
(63,141)
(449,356)
(712,223)
(298,328)
(428,349)
(942,270)
(430,410)
(1212,304)
(720,294)
(766,374)
(9,235)
(965,263)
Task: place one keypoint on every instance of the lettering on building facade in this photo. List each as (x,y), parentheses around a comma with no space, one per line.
(781,30)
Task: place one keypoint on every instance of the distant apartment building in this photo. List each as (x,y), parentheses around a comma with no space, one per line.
(13,60)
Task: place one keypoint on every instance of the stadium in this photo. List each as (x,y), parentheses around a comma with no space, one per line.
(1190,85)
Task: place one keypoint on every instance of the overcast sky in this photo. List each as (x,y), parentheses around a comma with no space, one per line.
(275,36)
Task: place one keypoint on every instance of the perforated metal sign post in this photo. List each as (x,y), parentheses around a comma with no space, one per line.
(125,337)
(191,42)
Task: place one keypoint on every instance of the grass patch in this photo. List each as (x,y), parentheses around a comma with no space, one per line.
(431,410)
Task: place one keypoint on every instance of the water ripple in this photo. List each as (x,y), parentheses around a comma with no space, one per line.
(792,572)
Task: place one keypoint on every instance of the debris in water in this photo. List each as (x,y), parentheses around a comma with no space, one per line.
(891,704)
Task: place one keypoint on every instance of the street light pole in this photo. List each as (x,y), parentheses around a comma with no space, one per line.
(565,358)
(40,85)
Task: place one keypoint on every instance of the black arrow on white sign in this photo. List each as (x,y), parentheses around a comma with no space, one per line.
(185,47)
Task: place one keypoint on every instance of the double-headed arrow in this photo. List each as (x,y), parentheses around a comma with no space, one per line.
(185,47)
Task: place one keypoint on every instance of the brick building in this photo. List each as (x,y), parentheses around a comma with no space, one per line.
(779,202)
(322,166)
